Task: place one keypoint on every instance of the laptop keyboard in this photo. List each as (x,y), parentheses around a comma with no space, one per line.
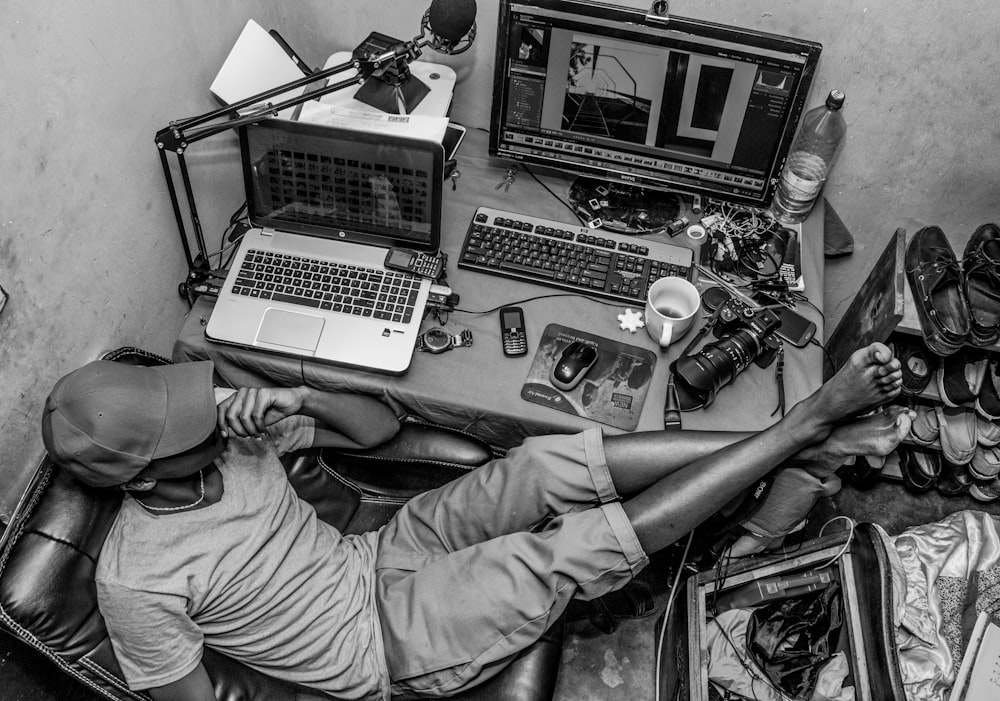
(337,287)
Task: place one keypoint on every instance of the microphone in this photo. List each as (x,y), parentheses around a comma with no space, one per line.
(451,25)
(448,26)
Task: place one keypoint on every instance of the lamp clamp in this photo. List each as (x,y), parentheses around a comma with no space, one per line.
(659,11)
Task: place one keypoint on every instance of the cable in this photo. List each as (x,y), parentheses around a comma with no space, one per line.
(551,192)
(666,613)
(847,544)
(532,299)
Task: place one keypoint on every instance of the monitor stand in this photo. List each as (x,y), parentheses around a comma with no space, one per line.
(623,208)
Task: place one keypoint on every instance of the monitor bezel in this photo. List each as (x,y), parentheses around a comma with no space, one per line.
(809,51)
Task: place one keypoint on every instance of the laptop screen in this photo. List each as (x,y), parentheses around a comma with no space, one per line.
(343,184)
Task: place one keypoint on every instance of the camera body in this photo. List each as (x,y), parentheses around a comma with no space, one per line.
(745,333)
(736,314)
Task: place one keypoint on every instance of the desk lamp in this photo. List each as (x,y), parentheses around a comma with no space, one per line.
(447,26)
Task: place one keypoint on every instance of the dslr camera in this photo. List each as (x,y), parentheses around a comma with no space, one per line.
(746,334)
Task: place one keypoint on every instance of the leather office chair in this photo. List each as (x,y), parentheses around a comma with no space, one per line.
(48,556)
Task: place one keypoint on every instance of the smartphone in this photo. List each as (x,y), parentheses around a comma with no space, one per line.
(512,334)
(794,328)
(423,264)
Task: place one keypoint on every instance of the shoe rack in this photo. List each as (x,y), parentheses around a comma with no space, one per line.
(884,310)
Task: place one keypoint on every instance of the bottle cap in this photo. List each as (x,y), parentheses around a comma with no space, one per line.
(835,100)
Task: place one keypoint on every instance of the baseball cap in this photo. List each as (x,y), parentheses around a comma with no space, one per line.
(105,421)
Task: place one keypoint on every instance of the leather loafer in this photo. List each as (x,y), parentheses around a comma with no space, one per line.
(957,433)
(985,463)
(924,429)
(919,366)
(985,490)
(981,269)
(921,468)
(961,377)
(954,480)
(937,284)
(987,432)
(988,399)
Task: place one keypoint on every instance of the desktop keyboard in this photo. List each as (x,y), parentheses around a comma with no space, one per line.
(571,258)
(350,289)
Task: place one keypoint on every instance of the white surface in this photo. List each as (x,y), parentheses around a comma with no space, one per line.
(257,62)
(439,78)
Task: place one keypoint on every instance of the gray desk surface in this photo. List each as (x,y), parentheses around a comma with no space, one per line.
(478,388)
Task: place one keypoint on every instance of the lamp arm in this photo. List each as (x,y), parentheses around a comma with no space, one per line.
(179,134)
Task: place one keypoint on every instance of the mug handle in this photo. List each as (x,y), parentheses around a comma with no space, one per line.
(666,335)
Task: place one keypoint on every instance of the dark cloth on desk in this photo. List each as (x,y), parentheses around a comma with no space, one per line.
(837,240)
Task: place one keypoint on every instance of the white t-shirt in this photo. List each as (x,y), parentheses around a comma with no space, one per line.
(256,576)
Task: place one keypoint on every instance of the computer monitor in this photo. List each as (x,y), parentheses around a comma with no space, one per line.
(680,105)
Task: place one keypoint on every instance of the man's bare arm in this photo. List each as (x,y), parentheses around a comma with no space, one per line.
(360,419)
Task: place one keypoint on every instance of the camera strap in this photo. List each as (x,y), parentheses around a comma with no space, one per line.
(779,378)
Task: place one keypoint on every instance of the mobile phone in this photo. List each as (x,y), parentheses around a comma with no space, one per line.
(512,334)
(415,262)
(794,328)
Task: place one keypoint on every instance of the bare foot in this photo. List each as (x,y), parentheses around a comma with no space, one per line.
(869,378)
(877,434)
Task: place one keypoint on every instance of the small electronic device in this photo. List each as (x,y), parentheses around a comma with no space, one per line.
(512,333)
(573,365)
(794,328)
(416,262)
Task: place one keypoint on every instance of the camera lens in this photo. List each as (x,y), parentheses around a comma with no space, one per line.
(716,365)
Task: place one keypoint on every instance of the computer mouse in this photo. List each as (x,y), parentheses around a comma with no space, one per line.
(574,362)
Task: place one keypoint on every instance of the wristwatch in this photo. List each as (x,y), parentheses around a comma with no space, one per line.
(437,340)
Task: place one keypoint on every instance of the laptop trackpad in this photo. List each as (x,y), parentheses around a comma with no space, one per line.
(285,328)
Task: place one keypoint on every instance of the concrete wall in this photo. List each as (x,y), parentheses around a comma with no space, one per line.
(88,248)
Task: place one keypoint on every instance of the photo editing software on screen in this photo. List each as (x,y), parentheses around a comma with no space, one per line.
(600,91)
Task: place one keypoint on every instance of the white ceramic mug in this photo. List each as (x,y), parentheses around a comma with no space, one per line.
(671,306)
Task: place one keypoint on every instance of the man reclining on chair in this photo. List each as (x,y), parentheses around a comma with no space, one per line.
(213,547)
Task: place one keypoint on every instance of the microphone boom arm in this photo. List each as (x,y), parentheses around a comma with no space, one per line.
(179,134)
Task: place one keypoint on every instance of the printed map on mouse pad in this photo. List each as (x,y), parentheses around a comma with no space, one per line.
(613,390)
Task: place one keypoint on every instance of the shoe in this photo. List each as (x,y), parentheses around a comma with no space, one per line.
(981,270)
(954,480)
(985,490)
(924,428)
(937,285)
(920,468)
(960,377)
(985,463)
(988,398)
(957,433)
(987,432)
(634,600)
(919,366)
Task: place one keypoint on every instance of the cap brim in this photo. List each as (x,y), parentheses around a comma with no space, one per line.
(191,415)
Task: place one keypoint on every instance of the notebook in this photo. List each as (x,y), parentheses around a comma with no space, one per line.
(326,204)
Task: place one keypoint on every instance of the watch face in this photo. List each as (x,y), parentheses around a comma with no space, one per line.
(437,339)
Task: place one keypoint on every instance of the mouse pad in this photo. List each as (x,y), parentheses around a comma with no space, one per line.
(612,392)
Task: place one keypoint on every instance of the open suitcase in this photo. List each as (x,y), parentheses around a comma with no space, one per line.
(858,562)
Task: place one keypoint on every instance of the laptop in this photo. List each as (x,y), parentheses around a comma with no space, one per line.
(326,204)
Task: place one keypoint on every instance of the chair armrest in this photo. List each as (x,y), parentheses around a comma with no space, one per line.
(418,458)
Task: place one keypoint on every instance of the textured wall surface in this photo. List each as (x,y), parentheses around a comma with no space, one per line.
(88,248)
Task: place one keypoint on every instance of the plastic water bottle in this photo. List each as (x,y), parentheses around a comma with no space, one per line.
(809,160)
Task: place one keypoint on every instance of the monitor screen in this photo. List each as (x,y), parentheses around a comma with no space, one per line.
(683,105)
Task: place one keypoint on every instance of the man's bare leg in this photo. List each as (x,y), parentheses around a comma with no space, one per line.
(679,501)
(811,475)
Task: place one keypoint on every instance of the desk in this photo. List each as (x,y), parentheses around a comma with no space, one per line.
(478,388)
